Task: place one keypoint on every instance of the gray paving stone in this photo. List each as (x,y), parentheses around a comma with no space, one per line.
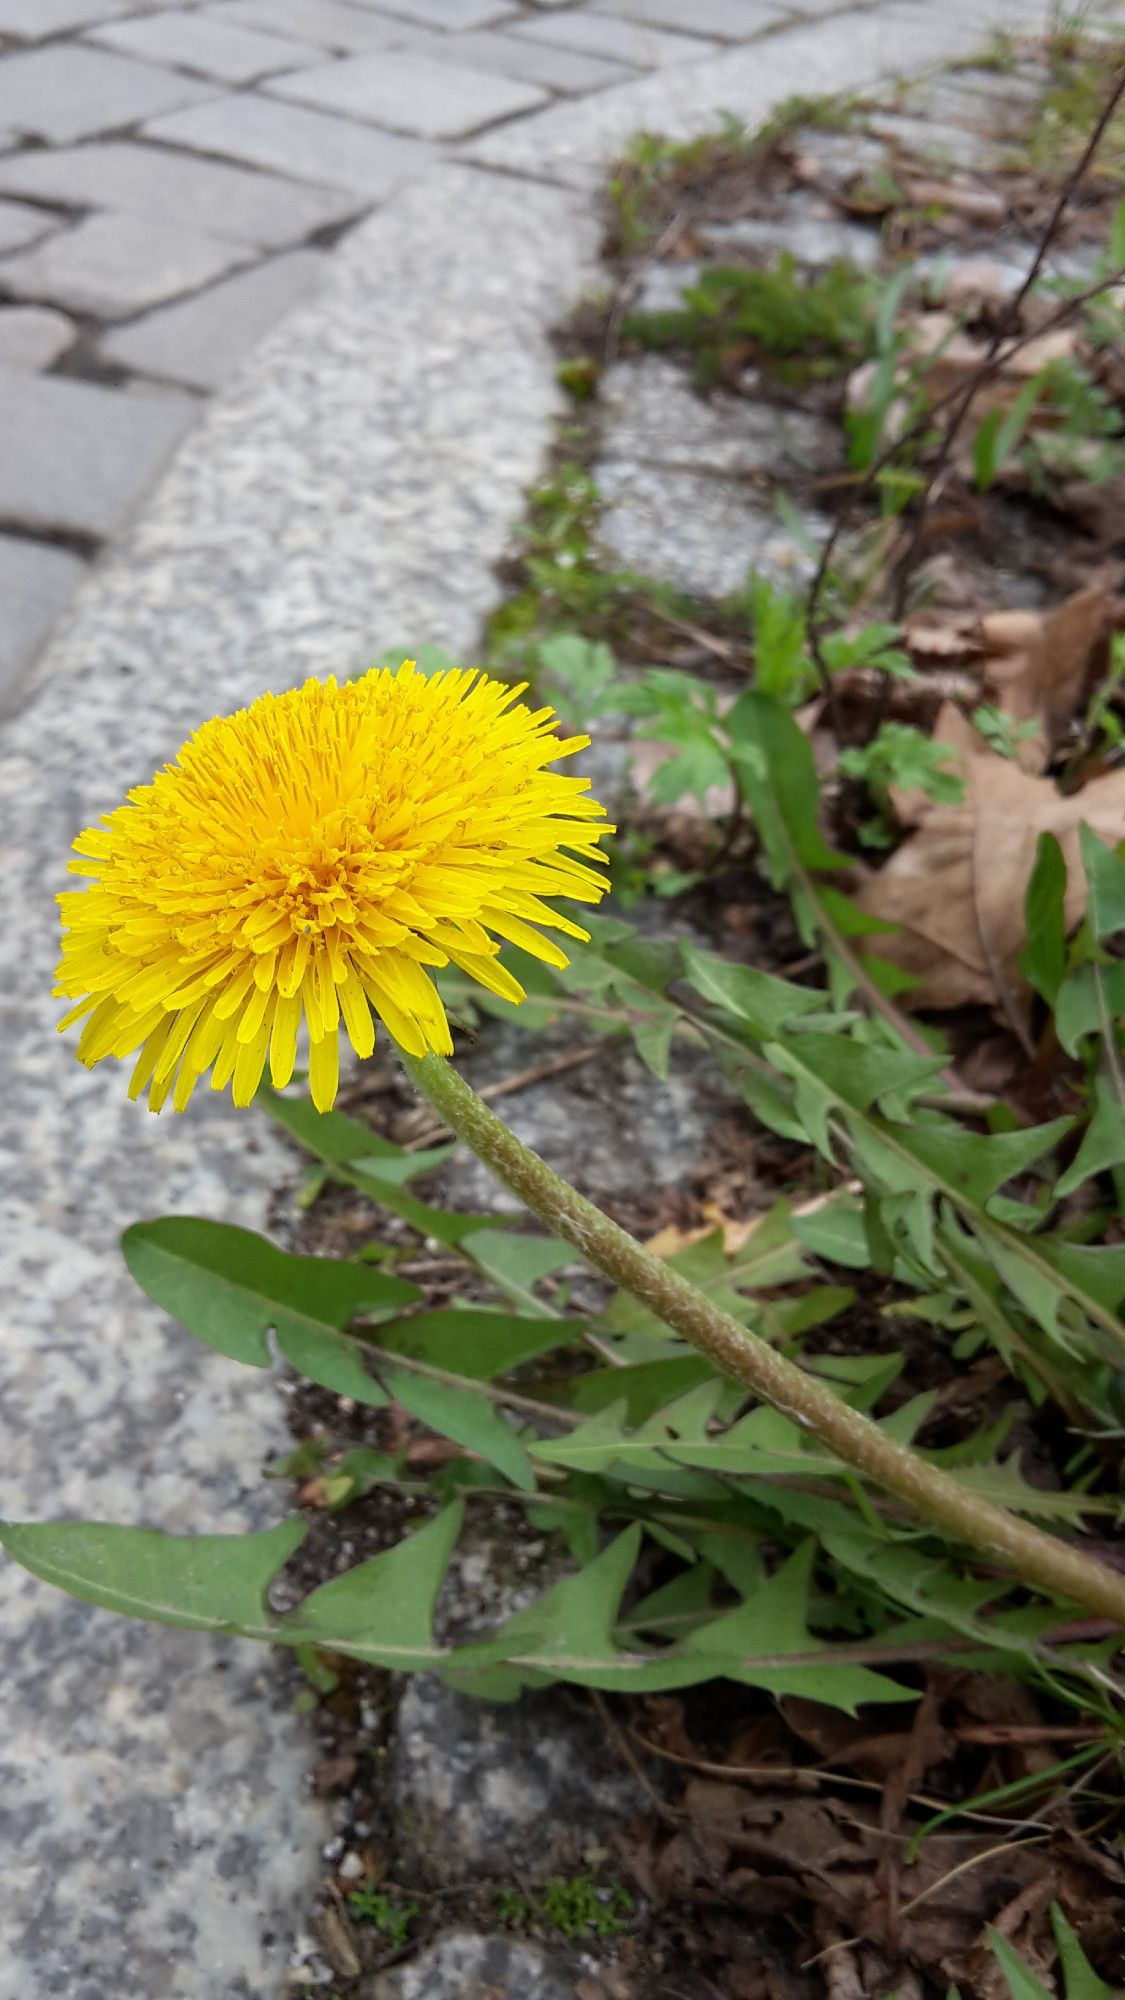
(463,1962)
(175,188)
(20,224)
(68,92)
(653,416)
(730,20)
(36,582)
(663,286)
(208,47)
(623,41)
(291,140)
(33,336)
(114,265)
(34,20)
(475,1785)
(201,341)
(331,25)
(565,70)
(813,241)
(451,14)
(574,142)
(79,458)
(703,534)
(947,145)
(411,93)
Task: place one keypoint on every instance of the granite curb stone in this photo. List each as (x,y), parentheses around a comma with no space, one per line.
(573,143)
(351,493)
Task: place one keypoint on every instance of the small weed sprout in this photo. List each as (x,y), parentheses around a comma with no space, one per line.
(393,1920)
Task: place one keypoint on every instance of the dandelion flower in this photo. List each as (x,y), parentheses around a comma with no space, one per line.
(310,859)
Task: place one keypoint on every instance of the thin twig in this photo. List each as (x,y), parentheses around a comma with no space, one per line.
(628,289)
(537,1073)
(806,1776)
(1008,321)
(971,1861)
(620,1740)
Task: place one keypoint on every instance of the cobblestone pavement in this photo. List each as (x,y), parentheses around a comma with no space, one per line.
(174,177)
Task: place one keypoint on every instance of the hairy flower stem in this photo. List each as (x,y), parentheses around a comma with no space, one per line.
(1036,1558)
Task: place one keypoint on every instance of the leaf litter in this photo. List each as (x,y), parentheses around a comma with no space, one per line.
(791,1853)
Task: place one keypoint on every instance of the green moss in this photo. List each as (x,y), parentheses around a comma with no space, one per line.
(576,1906)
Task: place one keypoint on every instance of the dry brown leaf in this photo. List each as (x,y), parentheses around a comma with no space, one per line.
(1099,509)
(957,885)
(1044,669)
(953,638)
(672,1238)
(1009,631)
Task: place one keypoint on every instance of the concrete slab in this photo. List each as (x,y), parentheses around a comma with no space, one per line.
(116,265)
(209,48)
(201,341)
(78,458)
(410,93)
(451,14)
(288,139)
(172,188)
(64,92)
(36,20)
(554,68)
(20,225)
(331,25)
(33,336)
(637,43)
(729,20)
(36,583)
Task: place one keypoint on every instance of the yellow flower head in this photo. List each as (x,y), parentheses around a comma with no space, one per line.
(307,859)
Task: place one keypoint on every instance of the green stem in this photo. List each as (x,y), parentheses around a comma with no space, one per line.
(1037,1559)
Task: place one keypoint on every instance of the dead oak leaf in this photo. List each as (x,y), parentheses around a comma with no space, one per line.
(1050,671)
(956,886)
